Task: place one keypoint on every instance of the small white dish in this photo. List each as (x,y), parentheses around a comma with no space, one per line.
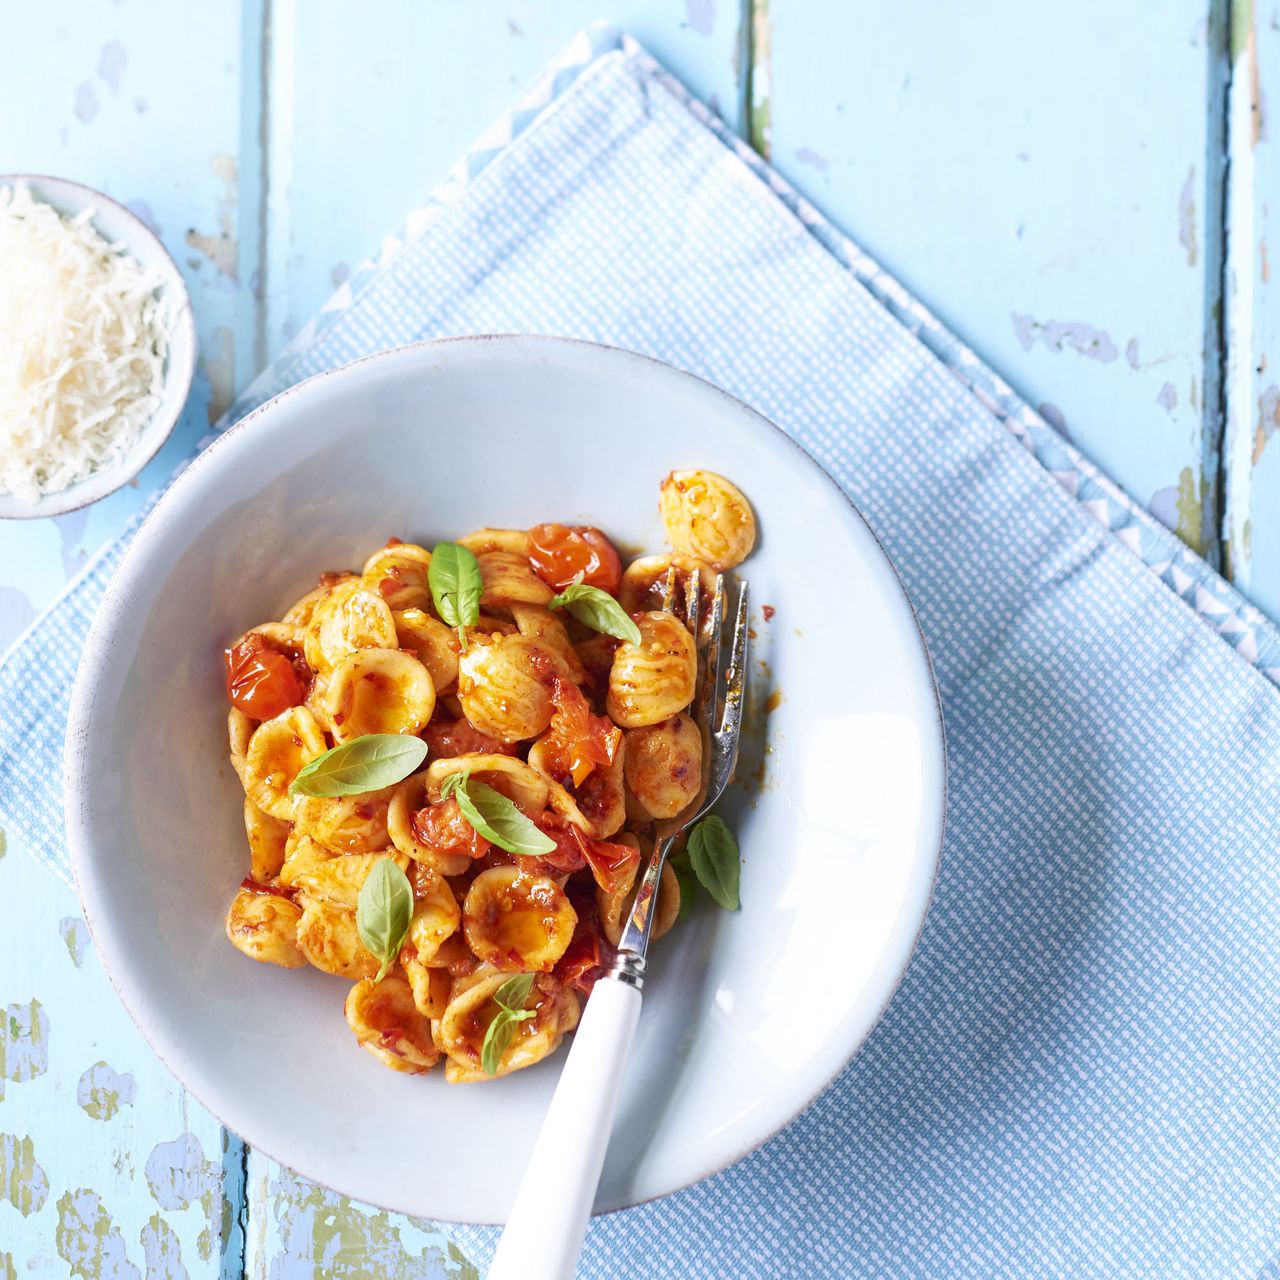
(748,1016)
(117,225)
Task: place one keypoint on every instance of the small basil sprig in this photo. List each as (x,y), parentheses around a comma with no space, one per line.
(383,912)
(367,763)
(510,998)
(456,585)
(713,856)
(598,610)
(495,817)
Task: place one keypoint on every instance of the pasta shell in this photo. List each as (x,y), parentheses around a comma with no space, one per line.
(515,921)
(504,687)
(379,691)
(653,680)
(264,926)
(349,618)
(708,517)
(664,766)
(277,751)
(509,579)
(389,1024)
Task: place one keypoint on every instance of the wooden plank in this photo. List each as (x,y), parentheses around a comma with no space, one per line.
(1253,318)
(107,1168)
(108,99)
(366,118)
(1047,180)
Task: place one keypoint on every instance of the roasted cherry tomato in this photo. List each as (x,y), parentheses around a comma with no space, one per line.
(449,738)
(443,828)
(579,741)
(589,951)
(561,555)
(612,865)
(261,681)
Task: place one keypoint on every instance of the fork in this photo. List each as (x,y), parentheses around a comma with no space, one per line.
(544,1231)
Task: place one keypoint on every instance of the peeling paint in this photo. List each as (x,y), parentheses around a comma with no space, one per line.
(218,364)
(178,1176)
(320,1233)
(111,64)
(24,1043)
(162,1251)
(1131,353)
(806,155)
(22,1181)
(1168,397)
(86,105)
(1058,335)
(4,843)
(7,1270)
(1268,420)
(102,1091)
(760,109)
(701,16)
(221,248)
(339,273)
(75,936)
(140,106)
(88,1240)
(1190,526)
(1187,217)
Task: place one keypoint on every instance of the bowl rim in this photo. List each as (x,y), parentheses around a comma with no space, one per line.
(73,498)
(919,896)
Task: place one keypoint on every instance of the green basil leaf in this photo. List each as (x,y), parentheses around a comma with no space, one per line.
(456,584)
(510,999)
(451,784)
(686,879)
(598,610)
(713,854)
(367,763)
(499,820)
(515,992)
(383,912)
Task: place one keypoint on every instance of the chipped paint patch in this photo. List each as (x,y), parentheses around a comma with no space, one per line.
(178,1176)
(760,108)
(22,1181)
(1063,335)
(1187,217)
(701,16)
(7,1270)
(1168,397)
(218,364)
(24,1043)
(111,64)
(162,1251)
(75,936)
(806,155)
(102,1092)
(339,273)
(4,843)
(86,102)
(320,1233)
(1131,352)
(88,1240)
(1190,524)
(221,248)
(1268,420)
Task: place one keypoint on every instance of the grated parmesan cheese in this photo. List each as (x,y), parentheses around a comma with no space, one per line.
(83,340)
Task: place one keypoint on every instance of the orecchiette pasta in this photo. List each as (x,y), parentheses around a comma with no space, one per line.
(654,679)
(536,745)
(706,516)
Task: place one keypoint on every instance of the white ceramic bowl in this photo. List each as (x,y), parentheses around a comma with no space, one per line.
(746,1016)
(118,226)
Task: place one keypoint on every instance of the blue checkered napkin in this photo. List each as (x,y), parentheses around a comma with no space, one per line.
(1079,1076)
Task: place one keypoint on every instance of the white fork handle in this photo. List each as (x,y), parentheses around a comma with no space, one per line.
(544,1233)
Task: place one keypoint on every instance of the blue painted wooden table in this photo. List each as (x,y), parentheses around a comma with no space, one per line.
(1082,193)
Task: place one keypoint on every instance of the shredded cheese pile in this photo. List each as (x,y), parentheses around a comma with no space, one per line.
(83,339)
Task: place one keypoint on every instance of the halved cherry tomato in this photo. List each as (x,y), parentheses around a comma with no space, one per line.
(578,741)
(566,857)
(611,864)
(261,681)
(443,828)
(561,554)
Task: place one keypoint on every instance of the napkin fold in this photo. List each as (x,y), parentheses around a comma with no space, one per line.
(1078,1076)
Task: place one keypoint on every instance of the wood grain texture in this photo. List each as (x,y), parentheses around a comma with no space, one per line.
(1051,181)
(1252,315)
(1046,180)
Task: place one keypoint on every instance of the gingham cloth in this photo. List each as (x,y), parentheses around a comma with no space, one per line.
(1079,1076)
